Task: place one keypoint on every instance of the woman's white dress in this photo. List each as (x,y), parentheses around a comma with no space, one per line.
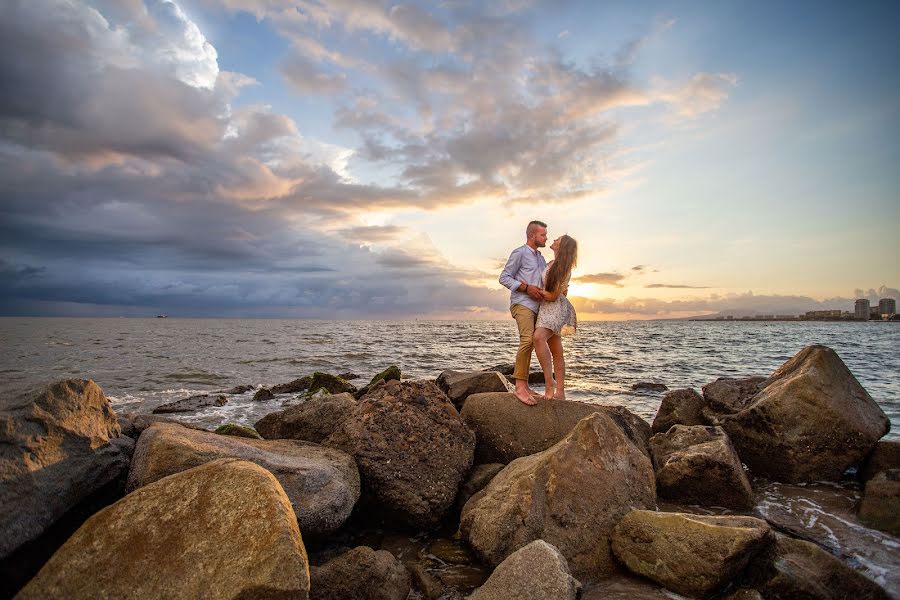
(557,316)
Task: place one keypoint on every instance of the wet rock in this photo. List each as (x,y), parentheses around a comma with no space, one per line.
(322,483)
(412,449)
(554,495)
(392,373)
(459,385)
(728,395)
(191,404)
(237,431)
(360,574)
(61,444)
(348,376)
(811,422)
(538,571)
(313,421)
(263,394)
(507,369)
(332,383)
(430,586)
(625,587)
(880,507)
(239,389)
(885,455)
(293,387)
(171,539)
(791,568)
(693,555)
(679,407)
(647,386)
(478,478)
(506,429)
(698,465)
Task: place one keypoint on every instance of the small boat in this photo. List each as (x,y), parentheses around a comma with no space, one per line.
(162,316)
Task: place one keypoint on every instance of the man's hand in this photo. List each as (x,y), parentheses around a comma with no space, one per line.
(535,292)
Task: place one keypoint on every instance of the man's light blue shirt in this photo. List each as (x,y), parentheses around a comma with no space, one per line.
(526,265)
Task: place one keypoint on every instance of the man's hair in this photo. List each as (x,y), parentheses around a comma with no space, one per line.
(532,225)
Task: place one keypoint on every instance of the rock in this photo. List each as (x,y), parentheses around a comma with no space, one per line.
(479,477)
(885,455)
(538,572)
(880,507)
(237,431)
(412,449)
(60,445)
(313,421)
(191,404)
(332,383)
(791,568)
(322,483)
(360,574)
(726,395)
(221,530)
(392,373)
(133,425)
(625,587)
(293,387)
(263,394)
(507,369)
(430,586)
(459,385)
(239,389)
(811,422)
(698,465)
(571,496)
(506,429)
(646,386)
(679,407)
(694,555)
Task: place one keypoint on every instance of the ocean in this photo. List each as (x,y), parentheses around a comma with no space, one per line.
(142,363)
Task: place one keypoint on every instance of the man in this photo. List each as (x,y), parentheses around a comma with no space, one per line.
(522,277)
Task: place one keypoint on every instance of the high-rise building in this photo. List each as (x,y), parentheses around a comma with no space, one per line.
(887,306)
(862,309)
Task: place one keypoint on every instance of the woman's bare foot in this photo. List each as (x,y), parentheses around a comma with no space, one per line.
(549,389)
(559,396)
(524,397)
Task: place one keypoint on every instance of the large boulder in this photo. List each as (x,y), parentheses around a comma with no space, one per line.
(293,387)
(506,429)
(221,530)
(698,465)
(812,421)
(693,555)
(313,421)
(792,568)
(133,424)
(477,480)
(59,445)
(360,574)
(880,506)
(459,385)
(412,449)
(571,495)
(679,407)
(538,572)
(728,395)
(332,383)
(322,483)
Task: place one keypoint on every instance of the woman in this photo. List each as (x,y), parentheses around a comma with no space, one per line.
(556,317)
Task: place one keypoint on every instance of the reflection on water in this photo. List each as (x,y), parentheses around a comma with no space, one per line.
(143,363)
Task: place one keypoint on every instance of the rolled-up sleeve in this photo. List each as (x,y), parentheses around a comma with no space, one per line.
(507,278)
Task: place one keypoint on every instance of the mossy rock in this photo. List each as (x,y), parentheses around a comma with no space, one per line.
(392,372)
(332,383)
(317,394)
(238,431)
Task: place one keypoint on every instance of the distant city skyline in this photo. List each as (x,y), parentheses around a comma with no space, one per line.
(351,159)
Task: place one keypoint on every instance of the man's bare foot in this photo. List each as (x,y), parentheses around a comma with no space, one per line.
(533,393)
(524,397)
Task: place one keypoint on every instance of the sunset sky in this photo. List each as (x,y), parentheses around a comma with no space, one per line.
(350,159)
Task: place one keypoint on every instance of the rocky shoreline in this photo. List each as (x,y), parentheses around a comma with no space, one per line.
(451,488)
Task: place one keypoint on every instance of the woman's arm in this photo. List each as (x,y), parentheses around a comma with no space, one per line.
(551,296)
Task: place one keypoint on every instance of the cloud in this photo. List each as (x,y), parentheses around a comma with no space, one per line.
(307,78)
(676,286)
(613,279)
(639,268)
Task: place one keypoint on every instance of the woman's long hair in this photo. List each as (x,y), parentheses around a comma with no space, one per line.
(566,259)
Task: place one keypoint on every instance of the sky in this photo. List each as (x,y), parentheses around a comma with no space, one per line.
(349,159)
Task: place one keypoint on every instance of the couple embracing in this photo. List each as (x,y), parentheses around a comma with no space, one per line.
(542,312)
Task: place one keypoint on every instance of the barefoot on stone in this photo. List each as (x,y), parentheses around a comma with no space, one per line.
(548,391)
(524,397)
